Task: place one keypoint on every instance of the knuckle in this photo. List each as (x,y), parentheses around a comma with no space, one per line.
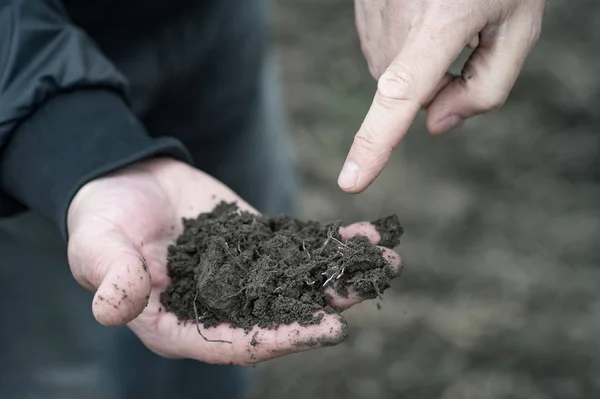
(443,18)
(531,15)
(485,97)
(396,84)
(365,141)
(365,145)
(491,99)
(535,31)
(373,68)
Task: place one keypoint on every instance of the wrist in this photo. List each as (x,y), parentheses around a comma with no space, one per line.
(72,139)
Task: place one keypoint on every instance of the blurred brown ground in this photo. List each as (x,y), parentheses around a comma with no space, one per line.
(501,293)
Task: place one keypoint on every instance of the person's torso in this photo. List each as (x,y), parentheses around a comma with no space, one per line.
(118,22)
(197,63)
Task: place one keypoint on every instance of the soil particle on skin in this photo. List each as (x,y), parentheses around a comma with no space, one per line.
(327,340)
(144,264)
(251,270)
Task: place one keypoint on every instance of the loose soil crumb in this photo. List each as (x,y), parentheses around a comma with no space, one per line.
(251,270)
(390,230)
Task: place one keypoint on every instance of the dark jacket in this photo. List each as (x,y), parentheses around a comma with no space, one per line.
(65,114)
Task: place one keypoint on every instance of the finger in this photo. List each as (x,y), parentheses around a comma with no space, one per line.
(474,42)
(105,261)
(246,348)
(448,77)
(364,229)
(487,77)
(343,302)
(394,260)
(402,90)
(389,226)
(294,338)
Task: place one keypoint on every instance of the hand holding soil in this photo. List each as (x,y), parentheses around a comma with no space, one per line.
(236,287)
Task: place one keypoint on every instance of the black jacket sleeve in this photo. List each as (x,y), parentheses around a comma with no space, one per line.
(64,115)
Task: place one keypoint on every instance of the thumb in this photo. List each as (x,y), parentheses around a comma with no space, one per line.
(105,260)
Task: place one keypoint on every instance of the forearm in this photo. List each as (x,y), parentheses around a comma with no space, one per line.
(64,116)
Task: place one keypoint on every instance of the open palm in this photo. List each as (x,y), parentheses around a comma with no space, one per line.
(120,227)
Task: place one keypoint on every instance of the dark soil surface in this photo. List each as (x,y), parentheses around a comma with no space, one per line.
(236,267)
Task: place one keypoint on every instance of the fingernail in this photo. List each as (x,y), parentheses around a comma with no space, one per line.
(349,175)
(452,122)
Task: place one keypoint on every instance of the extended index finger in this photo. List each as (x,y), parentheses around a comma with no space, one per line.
(402,90)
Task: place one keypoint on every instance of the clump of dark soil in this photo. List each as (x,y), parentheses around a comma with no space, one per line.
(236,267)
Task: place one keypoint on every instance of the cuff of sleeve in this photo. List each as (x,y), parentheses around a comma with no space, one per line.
(72,139)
